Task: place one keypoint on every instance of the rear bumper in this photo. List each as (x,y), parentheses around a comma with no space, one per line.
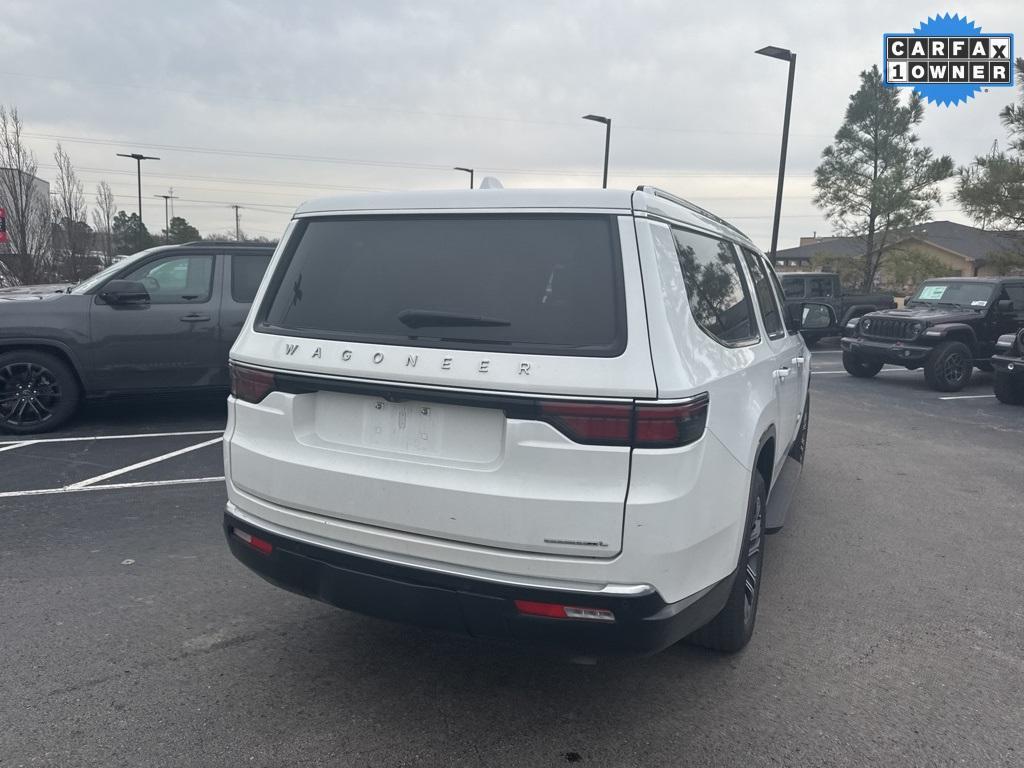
(643,624)
(1012,365)
(893,352)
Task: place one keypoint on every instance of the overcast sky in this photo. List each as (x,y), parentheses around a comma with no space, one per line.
(389,95)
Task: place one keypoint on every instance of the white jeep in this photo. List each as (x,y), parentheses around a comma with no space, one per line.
(562,417)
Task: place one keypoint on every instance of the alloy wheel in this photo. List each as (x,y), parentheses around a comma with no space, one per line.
(752,575)
(953,368)
(28,394)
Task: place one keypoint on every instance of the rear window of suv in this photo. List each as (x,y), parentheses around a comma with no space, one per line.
(544,284)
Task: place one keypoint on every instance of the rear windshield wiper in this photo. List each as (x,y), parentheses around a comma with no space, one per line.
(428,318)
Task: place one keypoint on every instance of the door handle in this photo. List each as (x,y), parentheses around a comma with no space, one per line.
(194,317)
(798,361)
(782,373)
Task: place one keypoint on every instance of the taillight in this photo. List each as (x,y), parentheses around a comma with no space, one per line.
(602,424)
(250,384)
(643,425)
(670,425)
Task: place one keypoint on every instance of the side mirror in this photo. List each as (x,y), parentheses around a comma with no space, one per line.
(1004,306)
(125,293)
(816,317)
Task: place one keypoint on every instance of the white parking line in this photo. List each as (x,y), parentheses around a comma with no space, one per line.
(967,397)
(111,486)
(11,444)
(141,464)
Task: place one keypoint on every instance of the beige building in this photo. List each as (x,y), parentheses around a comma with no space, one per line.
(962,250)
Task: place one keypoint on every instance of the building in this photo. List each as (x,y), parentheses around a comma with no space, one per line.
(963,250)
(13,181)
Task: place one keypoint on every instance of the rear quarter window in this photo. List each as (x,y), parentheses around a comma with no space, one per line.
(246,274)
(544,284)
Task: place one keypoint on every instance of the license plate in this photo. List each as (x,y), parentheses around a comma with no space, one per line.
(402,427)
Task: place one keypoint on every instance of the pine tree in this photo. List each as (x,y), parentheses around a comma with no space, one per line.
(875,179)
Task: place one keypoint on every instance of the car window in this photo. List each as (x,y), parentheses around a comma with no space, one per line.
(719,300)
(246,274)
(794,287)
(545,284)
(176,279)
(766,302)
(1015,292)
(819,287)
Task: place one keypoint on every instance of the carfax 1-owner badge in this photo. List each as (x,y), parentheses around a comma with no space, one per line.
(948,59)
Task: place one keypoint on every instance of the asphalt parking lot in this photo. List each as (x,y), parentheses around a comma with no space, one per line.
(889,633)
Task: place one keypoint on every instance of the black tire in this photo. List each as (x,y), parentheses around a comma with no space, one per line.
(38,392)
(732,628)
(949,367)
(1008,390)
(859,367)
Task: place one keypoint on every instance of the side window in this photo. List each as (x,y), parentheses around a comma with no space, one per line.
(819,288)
(246,273)
(794,287)
(718,295)
(176,279)
(1016,293)
(769,306)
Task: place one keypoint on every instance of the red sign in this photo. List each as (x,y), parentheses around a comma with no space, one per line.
(3,226)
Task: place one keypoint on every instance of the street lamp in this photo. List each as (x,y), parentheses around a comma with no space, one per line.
(783,55)
(607,142)
(467,170)
(138,173)
(167,222)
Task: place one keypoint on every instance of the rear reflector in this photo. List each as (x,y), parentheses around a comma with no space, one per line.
(260,545)
(250,384)
(644,425)
(556,611)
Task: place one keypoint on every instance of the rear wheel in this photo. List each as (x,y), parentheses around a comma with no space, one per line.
(38,392)
(949,367)
(859,367)
(731,629)
(1007,389)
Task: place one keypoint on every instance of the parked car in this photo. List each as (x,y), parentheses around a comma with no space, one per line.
(825,288)
(949,327)
(1008,362)
(560,417)
(160,321)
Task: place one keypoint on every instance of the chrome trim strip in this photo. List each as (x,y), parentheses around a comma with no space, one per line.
(316,541)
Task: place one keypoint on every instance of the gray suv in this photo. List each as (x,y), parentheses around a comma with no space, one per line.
(162,320)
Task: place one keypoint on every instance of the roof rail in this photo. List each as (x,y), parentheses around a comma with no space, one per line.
(222,243)
(658,192)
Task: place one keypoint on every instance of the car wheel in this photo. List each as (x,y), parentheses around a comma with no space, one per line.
(732,628)
(949,367)
(1007,389)
(857,366)
(38,392)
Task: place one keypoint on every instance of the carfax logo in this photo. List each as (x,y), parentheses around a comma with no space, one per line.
(948,59)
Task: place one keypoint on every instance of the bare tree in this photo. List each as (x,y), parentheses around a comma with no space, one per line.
(73,235)
(103,221)
(26,202)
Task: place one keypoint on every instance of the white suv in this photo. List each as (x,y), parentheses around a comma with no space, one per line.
(563,417)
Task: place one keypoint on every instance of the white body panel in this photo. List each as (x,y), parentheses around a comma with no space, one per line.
(471,492)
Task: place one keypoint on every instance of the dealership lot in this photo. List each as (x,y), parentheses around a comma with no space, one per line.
(889,630)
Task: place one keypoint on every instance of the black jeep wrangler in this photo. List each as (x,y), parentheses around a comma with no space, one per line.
(949,327)
(1009,364)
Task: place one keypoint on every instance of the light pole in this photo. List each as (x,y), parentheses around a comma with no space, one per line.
(467,170)
(607,142)
(138,173)
(783,55)
(167,221)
